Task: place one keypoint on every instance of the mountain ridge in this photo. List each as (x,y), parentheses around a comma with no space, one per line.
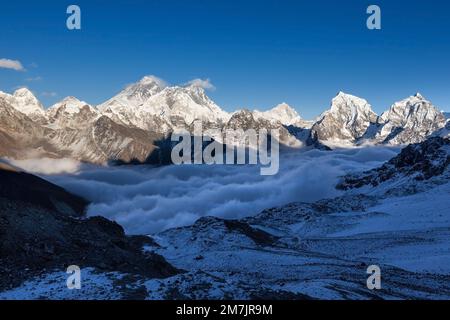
(150,109)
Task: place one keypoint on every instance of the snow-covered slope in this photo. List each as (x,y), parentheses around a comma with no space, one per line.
(410,121)
(133,95)
(183,105)
(319,250)
(298,251)
(149,105)
(444,132)
(125,107)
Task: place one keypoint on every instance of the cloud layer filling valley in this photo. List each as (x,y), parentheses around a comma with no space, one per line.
(147,200)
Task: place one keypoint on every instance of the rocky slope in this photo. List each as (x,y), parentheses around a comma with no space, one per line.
(248,120)
(26,188)
(73,129)
(18,132)
(417,162)
(42,229)
(71,113)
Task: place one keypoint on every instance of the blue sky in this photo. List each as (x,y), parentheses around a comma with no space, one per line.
(256,53)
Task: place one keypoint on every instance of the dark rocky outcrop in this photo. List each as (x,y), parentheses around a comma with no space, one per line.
(420,161)
(29,189)
(42,229)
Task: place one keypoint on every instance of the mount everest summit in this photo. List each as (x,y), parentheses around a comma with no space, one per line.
(132,125)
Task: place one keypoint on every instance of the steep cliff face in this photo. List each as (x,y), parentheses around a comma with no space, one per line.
(347,121)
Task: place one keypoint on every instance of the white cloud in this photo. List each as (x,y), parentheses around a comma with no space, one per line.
(47,165)
(11,64)
(31,79)
(146,200)
(162,83)
(147,79)
(49,94)
(205,84)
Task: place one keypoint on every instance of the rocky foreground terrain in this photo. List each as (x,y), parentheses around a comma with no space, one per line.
(395,216)
(42,228)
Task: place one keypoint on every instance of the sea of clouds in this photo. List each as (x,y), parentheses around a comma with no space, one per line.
(147,200)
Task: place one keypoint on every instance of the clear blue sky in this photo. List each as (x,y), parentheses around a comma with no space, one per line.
(256,53)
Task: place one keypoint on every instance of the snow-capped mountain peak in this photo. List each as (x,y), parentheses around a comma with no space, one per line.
(152,80)
(127,106)
(25,101)
(347,102)
(284,107)
(413,107)
(410,120)
(348,120)
(282,113)
(140,91)
(151,105)
(419,96)
(70,104)
(24,92)
(134,95)
(71,112)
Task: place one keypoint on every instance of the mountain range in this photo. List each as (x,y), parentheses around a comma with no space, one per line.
(133,125)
